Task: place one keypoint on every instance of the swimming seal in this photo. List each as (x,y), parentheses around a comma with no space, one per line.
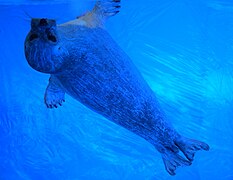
(86,63)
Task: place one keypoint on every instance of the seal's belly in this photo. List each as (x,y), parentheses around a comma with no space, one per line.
(106,91)
(105,80)
(116,91)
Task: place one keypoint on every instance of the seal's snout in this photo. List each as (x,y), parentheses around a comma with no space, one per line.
(43,22)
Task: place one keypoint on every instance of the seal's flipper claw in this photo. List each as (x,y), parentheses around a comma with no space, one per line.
(54,95)
(173,160)
(107,8)
(190,146)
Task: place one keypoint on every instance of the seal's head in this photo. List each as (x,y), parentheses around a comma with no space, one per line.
(43,48)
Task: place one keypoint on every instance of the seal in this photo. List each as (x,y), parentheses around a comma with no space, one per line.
(86,63)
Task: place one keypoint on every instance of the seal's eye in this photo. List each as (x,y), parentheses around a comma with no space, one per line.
(33,36)
(52,37)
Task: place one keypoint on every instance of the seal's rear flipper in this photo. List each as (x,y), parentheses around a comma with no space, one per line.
(171,157)
(190,146)
(173,160)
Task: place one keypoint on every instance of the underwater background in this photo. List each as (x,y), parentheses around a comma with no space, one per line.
(184,50)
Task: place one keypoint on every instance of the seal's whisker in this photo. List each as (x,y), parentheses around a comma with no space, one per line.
(28,17)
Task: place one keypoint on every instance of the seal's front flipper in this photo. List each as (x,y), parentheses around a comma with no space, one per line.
(54,95)
(190,146)
(100,13)
(107,8)
(172,160)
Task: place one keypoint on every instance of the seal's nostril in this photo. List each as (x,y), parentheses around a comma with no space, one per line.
(43,22)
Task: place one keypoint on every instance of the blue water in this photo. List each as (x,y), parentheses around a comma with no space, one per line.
(183,49)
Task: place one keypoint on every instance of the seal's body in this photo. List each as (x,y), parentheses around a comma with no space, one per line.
(86,63)
(104,78)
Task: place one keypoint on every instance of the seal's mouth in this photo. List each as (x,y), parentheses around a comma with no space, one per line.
(43,22)
(44,29)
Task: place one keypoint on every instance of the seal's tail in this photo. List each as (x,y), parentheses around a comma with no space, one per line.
(189,147)
(173,160)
